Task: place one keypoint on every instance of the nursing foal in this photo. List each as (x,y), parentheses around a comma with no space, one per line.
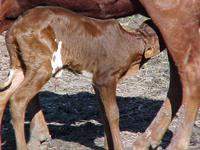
(46,40)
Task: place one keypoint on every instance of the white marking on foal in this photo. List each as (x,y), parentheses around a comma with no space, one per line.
(59,74)
(56,61)
(11,73)
(87,75)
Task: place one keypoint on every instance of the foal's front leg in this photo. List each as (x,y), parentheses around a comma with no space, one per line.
(106,95)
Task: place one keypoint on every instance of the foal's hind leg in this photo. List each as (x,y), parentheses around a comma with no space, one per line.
(6,93)
(21,97)
(39,131)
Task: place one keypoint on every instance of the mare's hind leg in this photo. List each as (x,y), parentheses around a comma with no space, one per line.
(32,83)
(183,42)
(154,133)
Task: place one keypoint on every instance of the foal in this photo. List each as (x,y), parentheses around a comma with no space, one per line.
(46,40)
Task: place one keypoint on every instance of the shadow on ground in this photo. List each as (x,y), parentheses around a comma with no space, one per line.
(76,118)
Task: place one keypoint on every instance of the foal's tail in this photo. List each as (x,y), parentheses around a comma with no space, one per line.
(16,63)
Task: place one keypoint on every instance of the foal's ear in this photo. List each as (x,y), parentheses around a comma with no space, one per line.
(151,41)
(150,51)
(127,28)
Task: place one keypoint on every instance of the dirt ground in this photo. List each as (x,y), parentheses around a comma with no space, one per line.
(72,111)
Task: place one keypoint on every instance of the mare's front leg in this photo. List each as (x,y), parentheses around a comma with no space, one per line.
(106,95)
(21,97)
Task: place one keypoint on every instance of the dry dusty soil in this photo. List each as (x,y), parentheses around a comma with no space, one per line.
(72,112)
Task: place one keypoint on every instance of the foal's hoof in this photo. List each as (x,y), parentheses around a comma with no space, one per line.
(37,146)
(37,143)
(33,145)
(159,148)
(138,145)
(145,142)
